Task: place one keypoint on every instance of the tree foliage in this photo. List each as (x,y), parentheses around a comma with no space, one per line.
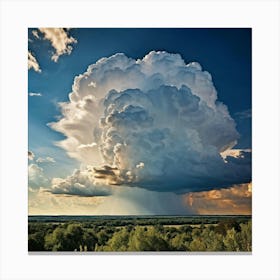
(227,235)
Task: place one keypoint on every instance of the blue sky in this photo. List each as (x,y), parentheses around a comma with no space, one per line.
(225,53)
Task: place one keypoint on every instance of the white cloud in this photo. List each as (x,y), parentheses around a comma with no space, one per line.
(45,160)
(158,111)
(36,177)
(60,41)
(32,63)
(35,94)
(80,183)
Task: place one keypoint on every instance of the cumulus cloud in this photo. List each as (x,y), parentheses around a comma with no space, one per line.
(45,160)
(35,94)
(234,200)
(32,63)
(60,41)
(31,155)
(154,123)
(80,183)
(36,177)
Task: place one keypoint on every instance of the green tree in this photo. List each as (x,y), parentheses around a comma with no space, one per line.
(225,225)
(212,240)
(231,240)
(89,240)
(36,241)
(149,240)
(62,239)
(197,245)
(103,237)
(245,237)
(119,241)
(180,242)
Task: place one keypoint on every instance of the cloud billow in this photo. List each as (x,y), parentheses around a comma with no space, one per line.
(154,123)
(80,183)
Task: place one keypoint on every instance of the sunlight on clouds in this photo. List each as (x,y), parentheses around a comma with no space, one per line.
(151,137)
(82,183)
(32,63)
(158,111)
(60,41)
(234,200)
(236,153)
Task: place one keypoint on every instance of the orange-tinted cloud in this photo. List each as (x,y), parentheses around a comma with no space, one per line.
(234,200)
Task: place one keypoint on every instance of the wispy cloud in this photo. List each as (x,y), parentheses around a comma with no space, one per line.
(32,63)
(246,114)
(35,94)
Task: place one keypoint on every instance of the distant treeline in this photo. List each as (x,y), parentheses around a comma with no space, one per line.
(138,220)
(143,234)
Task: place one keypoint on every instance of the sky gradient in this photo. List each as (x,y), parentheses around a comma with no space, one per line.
(142,132)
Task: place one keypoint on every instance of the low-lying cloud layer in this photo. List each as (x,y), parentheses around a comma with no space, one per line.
(154,123)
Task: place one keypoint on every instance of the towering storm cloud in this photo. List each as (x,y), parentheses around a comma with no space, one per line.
(155,123)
